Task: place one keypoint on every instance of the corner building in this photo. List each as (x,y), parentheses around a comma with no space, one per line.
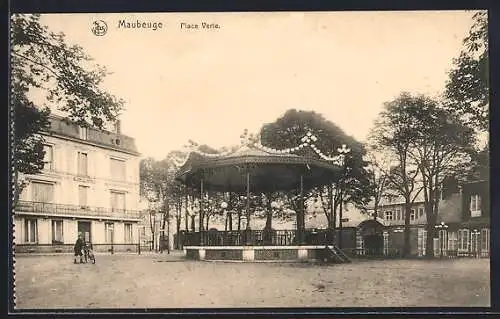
(89,185)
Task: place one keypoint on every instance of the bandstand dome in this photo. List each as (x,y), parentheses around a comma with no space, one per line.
(267,169)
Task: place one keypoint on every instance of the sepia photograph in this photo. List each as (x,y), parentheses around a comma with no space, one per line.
(250,160)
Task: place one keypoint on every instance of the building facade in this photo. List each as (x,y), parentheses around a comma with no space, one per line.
(462,225)
(89,185)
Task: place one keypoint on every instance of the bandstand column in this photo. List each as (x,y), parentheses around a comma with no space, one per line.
(248,200)
(201,211)
(300,215)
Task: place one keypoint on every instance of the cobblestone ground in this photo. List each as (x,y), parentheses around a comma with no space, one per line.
(152,281)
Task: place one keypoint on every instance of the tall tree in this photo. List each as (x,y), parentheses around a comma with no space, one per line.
(378,177)
(467,89)
(42,61)
(395,132)
(287,131)
(442,148)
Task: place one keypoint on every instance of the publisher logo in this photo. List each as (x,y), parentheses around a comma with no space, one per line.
(99,28)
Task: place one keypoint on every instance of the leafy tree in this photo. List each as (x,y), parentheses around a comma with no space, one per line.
(442,148)
(42,61)
(395,132)
(158,185)
(467,89)
(287,131)
(378,178)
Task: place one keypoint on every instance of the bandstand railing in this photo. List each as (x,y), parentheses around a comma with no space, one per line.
(259,238)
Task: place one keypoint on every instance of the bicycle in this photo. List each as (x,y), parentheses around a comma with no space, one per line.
(88,254)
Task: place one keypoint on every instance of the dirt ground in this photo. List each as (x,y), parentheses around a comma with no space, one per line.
(161,281)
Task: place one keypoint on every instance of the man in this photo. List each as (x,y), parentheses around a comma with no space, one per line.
(79,244)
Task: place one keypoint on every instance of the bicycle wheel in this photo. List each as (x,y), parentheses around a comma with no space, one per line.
(92,257)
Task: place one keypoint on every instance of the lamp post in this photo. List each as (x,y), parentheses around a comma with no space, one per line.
(343,151)
(442,226)
(476,233)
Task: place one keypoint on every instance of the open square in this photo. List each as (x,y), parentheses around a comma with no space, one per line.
(168,281)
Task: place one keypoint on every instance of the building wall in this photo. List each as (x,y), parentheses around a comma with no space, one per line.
(65,177)
(70,231)
(64,174)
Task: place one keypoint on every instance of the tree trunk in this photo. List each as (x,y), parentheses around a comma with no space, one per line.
(186,213)
(207,218)
(239,220)
(406,234)
(269,213)
(230,220)
(178,231)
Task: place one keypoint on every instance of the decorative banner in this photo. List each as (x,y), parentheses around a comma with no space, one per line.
(307,140)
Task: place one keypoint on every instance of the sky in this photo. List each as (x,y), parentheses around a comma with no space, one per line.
(209,85)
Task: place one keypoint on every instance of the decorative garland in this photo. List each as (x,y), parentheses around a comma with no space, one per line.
(307,140)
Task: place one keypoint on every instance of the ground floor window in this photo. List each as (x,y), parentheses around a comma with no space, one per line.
(360,243)
(421,241)
(386,242)
(463,240)
(108,230)
(485,240)
(128,233)
(57,232)
(443,241)
(452,241)
(30,230)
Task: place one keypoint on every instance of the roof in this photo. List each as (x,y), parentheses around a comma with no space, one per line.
(269,169)
(59,127)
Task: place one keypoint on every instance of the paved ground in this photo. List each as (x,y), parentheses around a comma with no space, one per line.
(151,281)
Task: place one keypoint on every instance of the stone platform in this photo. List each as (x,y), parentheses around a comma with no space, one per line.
(255,253)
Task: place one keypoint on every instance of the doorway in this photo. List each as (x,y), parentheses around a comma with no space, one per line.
(84,229)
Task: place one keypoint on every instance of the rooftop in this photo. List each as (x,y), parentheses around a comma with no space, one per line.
(102,138)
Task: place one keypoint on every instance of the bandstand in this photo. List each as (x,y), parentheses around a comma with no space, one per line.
(257,169)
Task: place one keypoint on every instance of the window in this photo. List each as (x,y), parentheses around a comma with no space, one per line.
(83,133)
(475,206)
(385,236)
(42,192)
(388,215)
(108,230)
(128,233)
(412,214)
(443,241)
(420,212)
(452,241)
(421,241)
(57,232)
(48,158)
(398,214)
(360,243)
(82,164)
(485,240)
(82,196)
(30,231)
(463,240)
(117,201)
(118,169)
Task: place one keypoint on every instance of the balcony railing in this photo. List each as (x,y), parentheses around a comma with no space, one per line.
(74,210)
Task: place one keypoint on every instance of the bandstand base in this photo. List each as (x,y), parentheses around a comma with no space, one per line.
(254,253)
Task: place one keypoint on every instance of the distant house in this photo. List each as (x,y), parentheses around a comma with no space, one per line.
(463,224)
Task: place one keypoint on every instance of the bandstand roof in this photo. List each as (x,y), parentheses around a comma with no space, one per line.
(269,169)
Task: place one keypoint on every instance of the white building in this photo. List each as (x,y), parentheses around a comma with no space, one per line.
(89,185)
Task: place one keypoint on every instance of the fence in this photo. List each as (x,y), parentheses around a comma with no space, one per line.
(258,238)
